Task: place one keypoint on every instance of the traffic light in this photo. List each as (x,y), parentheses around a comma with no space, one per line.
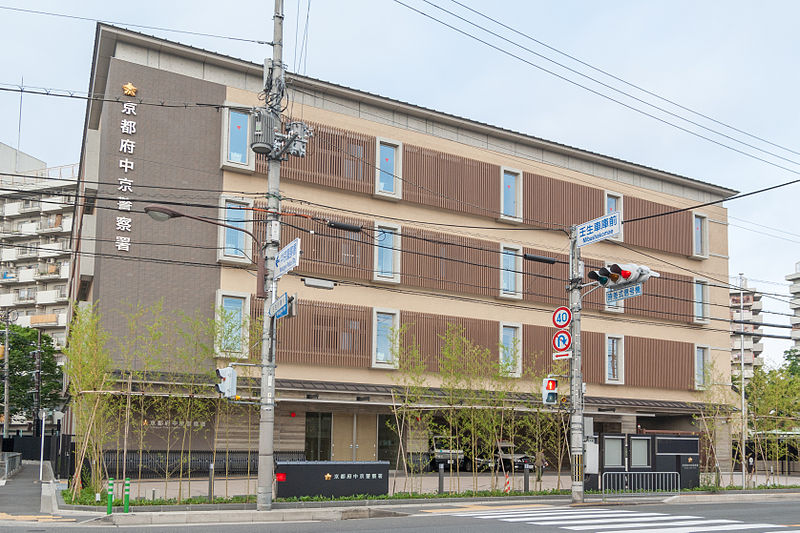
(618,275)
(227,387)
(549,391)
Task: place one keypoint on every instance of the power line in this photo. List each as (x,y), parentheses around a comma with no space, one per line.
(596,69)
(171,30)
(598,93)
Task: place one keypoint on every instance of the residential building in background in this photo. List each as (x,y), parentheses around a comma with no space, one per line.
(746,306)
(449,209)
(794,304)
(37,204)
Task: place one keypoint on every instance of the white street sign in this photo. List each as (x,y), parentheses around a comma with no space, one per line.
(599,229)
(288,258)
(562,340)
(615,295)
(279,307)
(562,317)
(557,356)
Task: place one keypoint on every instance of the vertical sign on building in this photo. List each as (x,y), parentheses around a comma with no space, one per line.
(127,147)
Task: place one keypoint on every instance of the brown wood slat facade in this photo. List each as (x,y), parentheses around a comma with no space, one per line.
(449,267)
(326,334)
(551,202)
(335,158)
(331,252)
(426,329)
(340,335)
(672,233)
(451,182)
(659,364)
(537,282)
(346,160)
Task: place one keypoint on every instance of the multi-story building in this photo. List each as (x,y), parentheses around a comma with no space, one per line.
(746,337)
(794,290)
(449,207)
(37,204)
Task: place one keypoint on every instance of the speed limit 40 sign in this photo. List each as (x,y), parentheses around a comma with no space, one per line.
(562,317)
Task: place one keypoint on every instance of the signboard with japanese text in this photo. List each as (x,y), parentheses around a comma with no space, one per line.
(331,478)
(615,295)
(599,229)
(280,307)
(288,258)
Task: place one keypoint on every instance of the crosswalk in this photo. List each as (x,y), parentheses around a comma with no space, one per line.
(607,520)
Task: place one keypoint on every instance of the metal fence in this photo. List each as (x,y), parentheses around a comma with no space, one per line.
(640,483)
(156,464)
(9,463)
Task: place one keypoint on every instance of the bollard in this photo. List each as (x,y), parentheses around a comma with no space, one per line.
(153,495)
(211,483)
(110,494)
(526,479)
(127,499)
(441,478)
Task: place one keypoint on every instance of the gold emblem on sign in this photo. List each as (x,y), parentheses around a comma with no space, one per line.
(129,90)
(327,477)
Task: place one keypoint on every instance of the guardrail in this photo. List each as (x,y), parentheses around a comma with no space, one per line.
(9,463)
(640,483)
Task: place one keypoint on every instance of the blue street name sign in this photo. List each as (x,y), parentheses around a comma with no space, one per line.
(615,295)
(599,229)
(280,307)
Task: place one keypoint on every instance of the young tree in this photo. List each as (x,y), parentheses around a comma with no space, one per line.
(88,367)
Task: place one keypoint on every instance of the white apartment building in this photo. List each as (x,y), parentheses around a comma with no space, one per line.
(794,290)
(36,205)
(746,306)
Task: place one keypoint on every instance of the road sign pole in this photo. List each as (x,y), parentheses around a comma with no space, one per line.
(576,373)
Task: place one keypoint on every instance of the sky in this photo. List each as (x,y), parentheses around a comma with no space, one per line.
(732,61)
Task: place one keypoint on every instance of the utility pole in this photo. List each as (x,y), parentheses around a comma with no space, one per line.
(576,372)
(6,370)
(37,381)
(267,139)
(273,86)
(741,387)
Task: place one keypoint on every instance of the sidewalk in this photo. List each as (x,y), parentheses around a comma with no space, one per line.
(22,493)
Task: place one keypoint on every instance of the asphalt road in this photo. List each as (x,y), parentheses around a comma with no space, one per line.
(753,516)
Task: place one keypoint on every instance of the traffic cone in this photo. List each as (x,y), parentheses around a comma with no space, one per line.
(507,487)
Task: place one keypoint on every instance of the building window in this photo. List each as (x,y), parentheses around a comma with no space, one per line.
(238,138)
(615,359)
(613,204)
(233,309)
(234,240)
(700,366)
(612,451)
(511,349)
(385,323)
(388,177)
(700,236)
(235,246)
(511,195)
(235,153)
(700,301)
(640,452)
(511,272)
(387,253)
(318,436)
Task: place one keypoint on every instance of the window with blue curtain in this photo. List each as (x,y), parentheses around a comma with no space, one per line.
(238,138)
(234,239)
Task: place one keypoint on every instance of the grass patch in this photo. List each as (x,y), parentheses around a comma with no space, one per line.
(88,498)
